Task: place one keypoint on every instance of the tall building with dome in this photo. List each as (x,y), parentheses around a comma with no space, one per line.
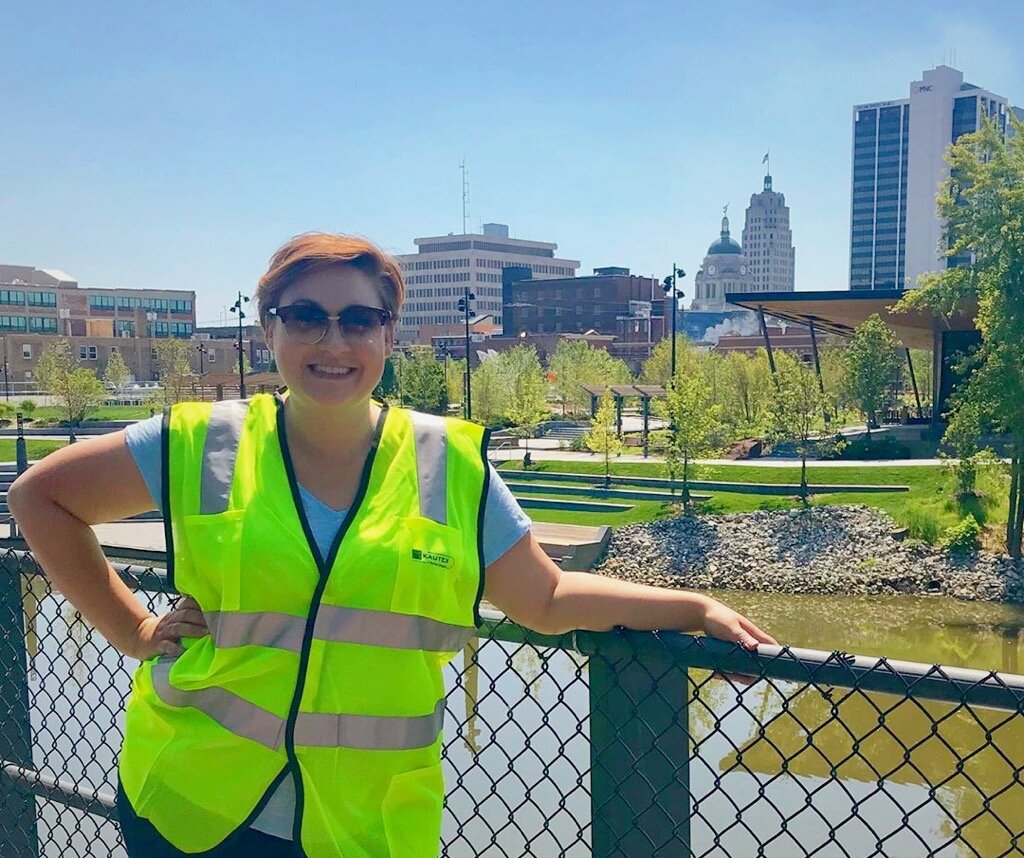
(725,269)
(768,241)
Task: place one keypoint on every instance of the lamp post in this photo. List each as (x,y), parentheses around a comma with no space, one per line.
(447,355)
(202,353)
(670,287)
(7,380)
(237,308)
(466,309)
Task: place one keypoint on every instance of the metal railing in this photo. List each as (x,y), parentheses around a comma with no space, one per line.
(614,744)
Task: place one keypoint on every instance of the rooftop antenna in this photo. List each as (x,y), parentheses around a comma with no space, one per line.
(465,194)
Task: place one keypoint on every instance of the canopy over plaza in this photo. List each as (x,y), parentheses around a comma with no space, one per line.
(842,312)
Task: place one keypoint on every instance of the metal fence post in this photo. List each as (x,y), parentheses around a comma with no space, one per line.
(18,837)
(21,457)
(640,754)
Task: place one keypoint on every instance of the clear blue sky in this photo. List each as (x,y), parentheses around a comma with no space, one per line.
(178,144)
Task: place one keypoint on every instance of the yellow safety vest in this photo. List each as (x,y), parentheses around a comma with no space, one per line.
(324,670)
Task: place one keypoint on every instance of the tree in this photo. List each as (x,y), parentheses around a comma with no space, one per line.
(576,364)
(527,403)
(174,364)
(657,368)
(423,384)
(602,437)
(116,374)
(872,362)
(749,390)
(982,204)
(455,380)
(387,387)
(507,383)
(797,409)
(78,390)
(694,421)
(489,388)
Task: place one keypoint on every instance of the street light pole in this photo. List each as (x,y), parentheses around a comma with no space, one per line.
(670,286)
(237,308)
(465,309)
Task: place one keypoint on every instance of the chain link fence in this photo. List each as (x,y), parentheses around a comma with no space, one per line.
(619,744)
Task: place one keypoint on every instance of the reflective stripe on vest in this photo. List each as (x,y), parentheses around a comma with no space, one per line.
(220,452)
(337,624)
(312,729)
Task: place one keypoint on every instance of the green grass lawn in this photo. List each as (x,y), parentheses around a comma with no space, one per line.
(36,449)
(51,414)
(927,509)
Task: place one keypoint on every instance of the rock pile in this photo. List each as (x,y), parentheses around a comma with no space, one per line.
(853,550)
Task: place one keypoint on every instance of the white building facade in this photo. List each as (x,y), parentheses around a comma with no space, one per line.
(768,242)
(725,269)
(898,165)
(437,275)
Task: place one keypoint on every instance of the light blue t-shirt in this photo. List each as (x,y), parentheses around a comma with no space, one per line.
(505,524)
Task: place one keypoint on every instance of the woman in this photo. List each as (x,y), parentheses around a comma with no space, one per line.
(334,553)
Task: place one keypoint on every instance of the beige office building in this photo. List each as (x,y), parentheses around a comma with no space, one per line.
(437,275)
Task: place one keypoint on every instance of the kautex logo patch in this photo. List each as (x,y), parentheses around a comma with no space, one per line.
(442,560)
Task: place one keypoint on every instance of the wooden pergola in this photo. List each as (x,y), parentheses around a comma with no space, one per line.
(620,392)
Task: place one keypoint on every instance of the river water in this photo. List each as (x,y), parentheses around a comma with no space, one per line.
(518,753)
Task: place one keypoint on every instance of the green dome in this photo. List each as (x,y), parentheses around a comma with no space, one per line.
(724,245)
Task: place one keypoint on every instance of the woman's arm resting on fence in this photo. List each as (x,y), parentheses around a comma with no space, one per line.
(526,585)
(55,502)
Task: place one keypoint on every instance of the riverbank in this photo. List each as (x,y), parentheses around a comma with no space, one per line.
(838,550)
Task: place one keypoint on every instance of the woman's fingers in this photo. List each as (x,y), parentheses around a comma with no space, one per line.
(750,635)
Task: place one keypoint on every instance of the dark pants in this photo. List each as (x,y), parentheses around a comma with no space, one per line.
(142,840)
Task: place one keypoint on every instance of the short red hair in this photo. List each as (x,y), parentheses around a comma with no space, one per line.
(315,251)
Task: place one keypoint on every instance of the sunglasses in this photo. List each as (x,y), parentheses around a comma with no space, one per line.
(309,323)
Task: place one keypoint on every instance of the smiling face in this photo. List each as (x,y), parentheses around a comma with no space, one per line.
(339,370)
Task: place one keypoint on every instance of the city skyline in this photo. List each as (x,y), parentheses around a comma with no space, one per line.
(183,159)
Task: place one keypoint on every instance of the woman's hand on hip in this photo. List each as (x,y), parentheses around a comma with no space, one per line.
(162,635)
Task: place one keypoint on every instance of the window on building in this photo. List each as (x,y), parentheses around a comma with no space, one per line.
(42,325)
(42,299)
(92,352)
(211,356)
(26,351)
(102,302)
(12,323)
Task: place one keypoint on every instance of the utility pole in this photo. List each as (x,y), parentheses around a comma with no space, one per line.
(237,308)
(465,194)
(467,312)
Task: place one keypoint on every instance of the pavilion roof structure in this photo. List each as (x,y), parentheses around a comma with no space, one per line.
(644,391)
(841,312)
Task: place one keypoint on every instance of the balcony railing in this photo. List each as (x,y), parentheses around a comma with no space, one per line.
(614,744)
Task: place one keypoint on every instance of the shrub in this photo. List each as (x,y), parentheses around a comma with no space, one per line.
(922,524)
(27,407)
(864,448)
(964,536)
